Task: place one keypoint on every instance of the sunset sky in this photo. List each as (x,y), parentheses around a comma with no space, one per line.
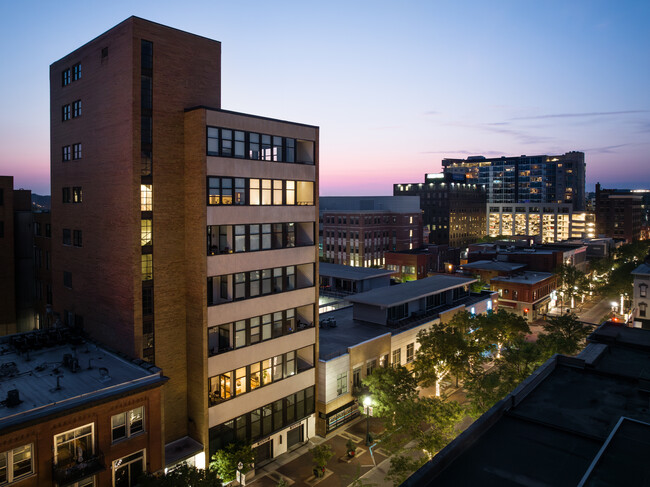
(394,86)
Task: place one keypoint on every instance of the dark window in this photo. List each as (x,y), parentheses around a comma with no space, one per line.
(65,112)
(76,109)
(66,195)
(65,77)
(65,153)
(67,279)
(147,301)
(76,151)
(66,236)
(76,238)
(76,72)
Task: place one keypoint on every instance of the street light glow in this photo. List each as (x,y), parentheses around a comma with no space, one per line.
(367,401)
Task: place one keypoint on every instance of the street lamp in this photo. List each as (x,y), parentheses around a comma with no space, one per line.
(368,410)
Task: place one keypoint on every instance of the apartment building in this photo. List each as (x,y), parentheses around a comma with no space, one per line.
(75,414)
(453,208)
(526,179)
(619,213)
(358,231)
(196,229)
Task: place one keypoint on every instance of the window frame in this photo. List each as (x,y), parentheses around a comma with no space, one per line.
(128,424)
(120,463)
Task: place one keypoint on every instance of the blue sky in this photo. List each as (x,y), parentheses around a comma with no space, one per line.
(394,86)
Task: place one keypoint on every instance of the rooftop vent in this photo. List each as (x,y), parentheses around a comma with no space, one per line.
(13,398)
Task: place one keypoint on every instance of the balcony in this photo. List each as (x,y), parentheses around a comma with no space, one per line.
(69,473)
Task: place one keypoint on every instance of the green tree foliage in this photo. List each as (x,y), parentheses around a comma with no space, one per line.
(321,454)
(224,462)
(494,330)
(182,477)
(572,282)
(402,466)
(388,387)
(564,334)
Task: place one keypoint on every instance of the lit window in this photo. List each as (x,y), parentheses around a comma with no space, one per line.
(74,446)
(342,384)
(16,464)
(77,194)
(290,193)
(147,267)
(145,232)
(127,424)
(146,197)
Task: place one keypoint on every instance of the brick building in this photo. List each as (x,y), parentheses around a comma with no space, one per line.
(196,236)
(527,293)
(76,414)
(619,213)
(453,210)
(357,231)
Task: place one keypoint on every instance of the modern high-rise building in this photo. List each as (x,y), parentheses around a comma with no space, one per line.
(185,235)
(453,208)
(526,179)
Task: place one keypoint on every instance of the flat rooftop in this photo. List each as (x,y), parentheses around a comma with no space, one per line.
(576,419)
(352,273)
(493,265)
(55,371)
(526,277)
(334,342)
(386,297)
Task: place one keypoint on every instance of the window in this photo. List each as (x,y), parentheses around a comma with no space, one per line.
(356,378)
(397,357)
(74,446)
(146,232)
(76,72)
(65,112)
(76,238)
(127,424)
(410,348)
(65,77)
(67,279)
(371,365)
(16,464)
(146,197)
(66,236)
(76,109)
(642,309)
(342,383)
(643,290)
(65,153)
(77,194)
(147,267)
(76,151)
(127,470)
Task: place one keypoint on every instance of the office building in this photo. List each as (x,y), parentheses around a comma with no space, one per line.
(76,414)
(552,222)
(193,236)
(619,213)
(580,421)
(357,231)
(453,208)
(526,179)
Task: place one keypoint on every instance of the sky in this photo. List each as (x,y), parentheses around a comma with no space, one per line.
(395,87)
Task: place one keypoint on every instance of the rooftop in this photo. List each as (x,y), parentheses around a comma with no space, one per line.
(493,265)
(348,272)
(55,370)
(387,297)
(526,277)
(643,269)
(575,419)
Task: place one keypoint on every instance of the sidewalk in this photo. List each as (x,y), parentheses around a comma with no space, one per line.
(296,467)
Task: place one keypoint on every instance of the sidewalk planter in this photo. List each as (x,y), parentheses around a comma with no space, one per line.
(319,472)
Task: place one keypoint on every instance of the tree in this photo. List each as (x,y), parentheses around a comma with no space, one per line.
(443,349)
(388,387)
(572,282)
(402,466)
(321,454)
(484,389)
(225,461)
(494,330)
(563,334)
(182,477)
(479,285)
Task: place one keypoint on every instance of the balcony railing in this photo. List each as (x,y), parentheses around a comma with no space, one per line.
(68,474)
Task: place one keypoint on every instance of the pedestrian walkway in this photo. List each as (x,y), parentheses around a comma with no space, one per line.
(296,467)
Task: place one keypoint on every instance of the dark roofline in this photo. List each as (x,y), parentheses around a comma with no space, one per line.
(241,114)
(134,17)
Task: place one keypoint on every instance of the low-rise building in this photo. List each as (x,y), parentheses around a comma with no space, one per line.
(489,269)
(641,297)
(379,330)
(75,414)
(527,294)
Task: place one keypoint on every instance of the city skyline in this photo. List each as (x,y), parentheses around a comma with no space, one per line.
(393,88)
